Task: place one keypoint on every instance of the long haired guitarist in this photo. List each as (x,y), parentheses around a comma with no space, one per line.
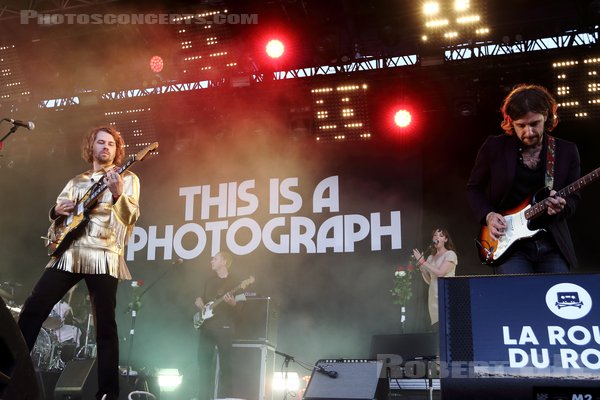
(523,229)
(217,331)
(104,202)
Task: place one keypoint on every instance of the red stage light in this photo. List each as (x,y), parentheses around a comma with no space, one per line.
(156,64)
(275,48)
(402,118)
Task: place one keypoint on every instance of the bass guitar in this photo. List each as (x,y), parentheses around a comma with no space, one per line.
(519,221)
(66,228)
(207,311)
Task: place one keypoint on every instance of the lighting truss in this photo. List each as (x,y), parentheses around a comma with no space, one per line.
(566,40)
(569,39)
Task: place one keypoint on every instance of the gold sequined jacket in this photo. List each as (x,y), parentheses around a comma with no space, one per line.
(100,248)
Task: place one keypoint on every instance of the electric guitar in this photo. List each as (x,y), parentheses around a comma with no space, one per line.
(519,221)
(207,311)
(66,228)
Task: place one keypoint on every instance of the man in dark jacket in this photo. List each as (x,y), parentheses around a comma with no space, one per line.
(508,170)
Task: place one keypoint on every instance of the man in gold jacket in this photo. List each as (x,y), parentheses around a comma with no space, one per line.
(96,255)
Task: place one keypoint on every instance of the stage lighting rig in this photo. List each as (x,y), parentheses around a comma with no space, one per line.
(577,87)
(450,22)
(12,82)
(341,112)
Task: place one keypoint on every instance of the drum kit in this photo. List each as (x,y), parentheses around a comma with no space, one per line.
(59,339)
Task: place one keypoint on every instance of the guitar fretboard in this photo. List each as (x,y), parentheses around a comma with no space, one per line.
(537,209)
(101,187)
(232,291)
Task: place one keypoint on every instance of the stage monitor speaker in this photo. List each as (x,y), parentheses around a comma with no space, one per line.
(17,376)
(78,381)
(346,379)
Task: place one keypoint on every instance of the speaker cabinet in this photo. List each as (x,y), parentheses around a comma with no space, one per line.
(355,379)
(253,366)
(77,381)
(17,376)
(258,321)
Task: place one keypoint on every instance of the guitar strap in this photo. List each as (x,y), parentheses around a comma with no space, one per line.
(550,157)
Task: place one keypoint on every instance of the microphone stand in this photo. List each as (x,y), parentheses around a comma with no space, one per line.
(286,364)
(133,307)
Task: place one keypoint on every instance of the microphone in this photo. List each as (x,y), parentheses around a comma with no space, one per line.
(287,356)
(25,124)
(321,370)
(434,243)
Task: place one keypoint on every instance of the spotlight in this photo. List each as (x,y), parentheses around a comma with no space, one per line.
(275,48)
(402,118)
(169,379)
(289,381)
(156,64)
(461,5)
(431,8)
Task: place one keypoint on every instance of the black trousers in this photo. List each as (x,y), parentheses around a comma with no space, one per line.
(219,338)
(51,287)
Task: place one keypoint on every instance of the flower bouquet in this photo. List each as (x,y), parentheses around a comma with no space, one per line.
(402,290)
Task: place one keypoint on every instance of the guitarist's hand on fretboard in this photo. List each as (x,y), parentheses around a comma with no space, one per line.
(114,182)
(199,303)
(229,299)
(555,203)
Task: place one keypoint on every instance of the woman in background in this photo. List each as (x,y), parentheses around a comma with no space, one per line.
(440,263)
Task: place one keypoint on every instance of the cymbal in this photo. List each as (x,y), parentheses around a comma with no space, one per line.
(5,295)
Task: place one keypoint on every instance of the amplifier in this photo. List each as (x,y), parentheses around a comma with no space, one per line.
(257,321)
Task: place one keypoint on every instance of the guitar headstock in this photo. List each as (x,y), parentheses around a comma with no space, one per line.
(140,155)
(247,282)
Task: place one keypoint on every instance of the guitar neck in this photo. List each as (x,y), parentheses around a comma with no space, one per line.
(222,298)
(539,208)
(101,187)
